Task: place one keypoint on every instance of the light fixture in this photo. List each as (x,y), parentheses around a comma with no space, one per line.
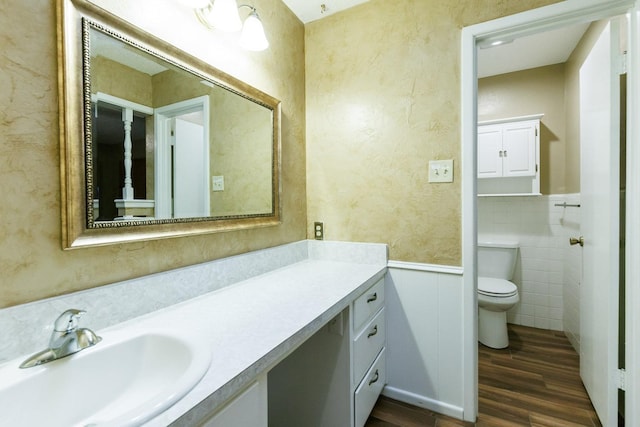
(487,44)
(253,37)
(223,15)
(194,4)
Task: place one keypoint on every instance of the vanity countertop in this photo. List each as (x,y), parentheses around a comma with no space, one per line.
(254,324)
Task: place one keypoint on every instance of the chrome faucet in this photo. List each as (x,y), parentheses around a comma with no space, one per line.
(65,339)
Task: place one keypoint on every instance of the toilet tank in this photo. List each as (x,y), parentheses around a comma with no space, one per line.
(497,258)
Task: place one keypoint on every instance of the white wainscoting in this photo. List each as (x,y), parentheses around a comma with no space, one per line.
(425,336)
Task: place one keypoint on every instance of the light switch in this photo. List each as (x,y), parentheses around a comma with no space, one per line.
(441,171)
(217,182)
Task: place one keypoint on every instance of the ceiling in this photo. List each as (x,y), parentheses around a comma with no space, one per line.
(118,51)
(538,50)
(312,10)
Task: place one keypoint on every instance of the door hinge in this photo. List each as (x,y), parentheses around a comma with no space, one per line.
(621,379)
(623,64)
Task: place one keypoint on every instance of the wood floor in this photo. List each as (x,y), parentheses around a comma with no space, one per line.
(535,382)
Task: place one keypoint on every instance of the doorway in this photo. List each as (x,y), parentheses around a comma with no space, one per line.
(182,159)
(526,23)
(119,157)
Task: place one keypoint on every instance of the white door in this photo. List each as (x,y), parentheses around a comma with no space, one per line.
(181,153)
(519,149)
(599,177)
(189,174)
(489,147)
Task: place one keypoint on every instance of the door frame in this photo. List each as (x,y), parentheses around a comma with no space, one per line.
(162,125)
(632,246)
(518,25)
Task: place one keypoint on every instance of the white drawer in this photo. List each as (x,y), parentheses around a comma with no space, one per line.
(368,304)
(369,390)
(367,345)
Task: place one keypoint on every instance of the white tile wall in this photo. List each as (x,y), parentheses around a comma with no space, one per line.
(548,269)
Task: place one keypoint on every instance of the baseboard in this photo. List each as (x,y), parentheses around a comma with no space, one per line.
(423,402)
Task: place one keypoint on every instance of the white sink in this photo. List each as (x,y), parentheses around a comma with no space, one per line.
(125,380)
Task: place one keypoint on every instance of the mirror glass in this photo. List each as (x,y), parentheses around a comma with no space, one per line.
(169,144)
(156,143)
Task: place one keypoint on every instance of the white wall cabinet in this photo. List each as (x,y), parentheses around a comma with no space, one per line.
(509,156)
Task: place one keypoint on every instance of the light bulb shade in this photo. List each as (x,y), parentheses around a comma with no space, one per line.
(194,4)
(224,16)
(253,37)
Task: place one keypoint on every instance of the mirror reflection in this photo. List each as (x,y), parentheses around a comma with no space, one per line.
(169,144)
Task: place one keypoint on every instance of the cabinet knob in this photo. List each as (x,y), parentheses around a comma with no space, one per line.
(375,378)
(373,332)
(576,241)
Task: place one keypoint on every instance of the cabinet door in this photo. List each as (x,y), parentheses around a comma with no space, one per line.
(489,149)
(248,409)
(519,149)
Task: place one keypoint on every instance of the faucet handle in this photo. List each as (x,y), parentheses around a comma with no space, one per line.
(68,320)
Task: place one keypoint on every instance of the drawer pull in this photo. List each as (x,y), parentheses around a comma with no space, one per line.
(373,332)
(372,298)
(375,378)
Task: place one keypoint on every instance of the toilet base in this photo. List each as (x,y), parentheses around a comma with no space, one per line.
(492,328)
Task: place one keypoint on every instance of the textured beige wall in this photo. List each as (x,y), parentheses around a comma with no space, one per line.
(240,143)
(32,262)
(118,80)
(383,98)
(171,86)
(241,153)
(538,90)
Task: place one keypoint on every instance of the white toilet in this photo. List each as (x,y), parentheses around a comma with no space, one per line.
(496,294)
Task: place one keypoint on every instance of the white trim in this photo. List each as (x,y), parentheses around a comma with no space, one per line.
(548,17)
(614,226)
(632,247)
(135,203)
(433,268)
(114,100)
(529,22)
(423,402)
(510,195)
(469,129)
(512,119)
(162,161)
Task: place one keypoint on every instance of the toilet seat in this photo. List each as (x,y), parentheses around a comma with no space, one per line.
(497,288)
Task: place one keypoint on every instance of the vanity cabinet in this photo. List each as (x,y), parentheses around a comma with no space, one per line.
(335,377)
(509,156)
(369,340)
(248,409)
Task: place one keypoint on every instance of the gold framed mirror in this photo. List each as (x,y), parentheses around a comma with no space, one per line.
(156,143)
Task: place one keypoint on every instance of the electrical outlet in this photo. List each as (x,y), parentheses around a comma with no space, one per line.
(318,230)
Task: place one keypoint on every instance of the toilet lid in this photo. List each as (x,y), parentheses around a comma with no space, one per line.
(496,287)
